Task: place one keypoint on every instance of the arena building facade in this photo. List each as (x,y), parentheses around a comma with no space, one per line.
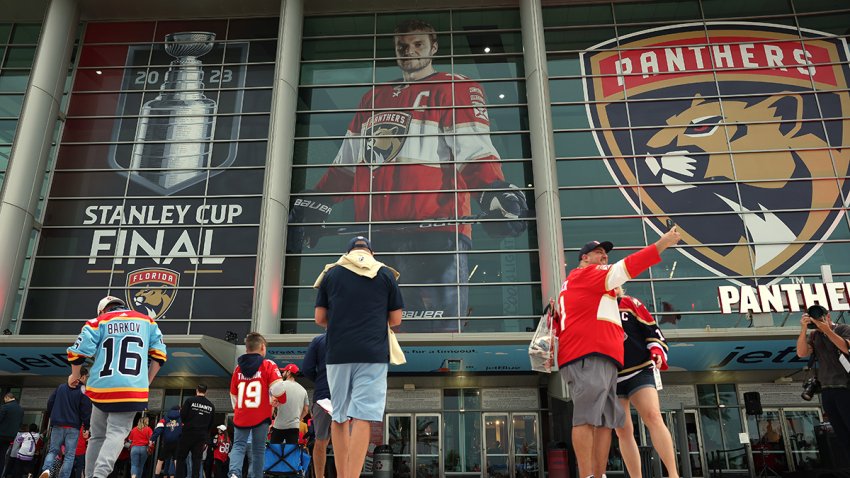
(156,151)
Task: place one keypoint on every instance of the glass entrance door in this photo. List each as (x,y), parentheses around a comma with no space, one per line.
(416,442)
(767,441)
(511,445)
(801,442)
(525,446)
(496,435)
(695,449)
(427,446)
(399,435)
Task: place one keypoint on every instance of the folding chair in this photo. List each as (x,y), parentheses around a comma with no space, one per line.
(285,460)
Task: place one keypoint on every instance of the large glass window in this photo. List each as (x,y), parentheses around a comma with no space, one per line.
(412,129)
(17,50)
(158,182)
(729,120)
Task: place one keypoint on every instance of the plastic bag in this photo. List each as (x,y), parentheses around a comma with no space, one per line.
(543,349)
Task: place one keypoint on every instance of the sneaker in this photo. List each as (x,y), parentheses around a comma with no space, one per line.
(45,474)
(231,476)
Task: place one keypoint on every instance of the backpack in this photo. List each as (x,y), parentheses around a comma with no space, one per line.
(28,445)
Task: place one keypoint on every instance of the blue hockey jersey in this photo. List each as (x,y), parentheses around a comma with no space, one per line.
(120,342)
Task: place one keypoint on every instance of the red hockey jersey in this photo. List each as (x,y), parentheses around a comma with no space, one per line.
(642,335)
(589,319)
(250,394)
(222,446)
(431,135)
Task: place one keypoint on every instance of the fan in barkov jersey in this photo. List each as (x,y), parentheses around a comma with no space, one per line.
(120,342)
(404,131)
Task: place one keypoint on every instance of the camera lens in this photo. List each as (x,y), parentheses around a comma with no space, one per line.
(816,311)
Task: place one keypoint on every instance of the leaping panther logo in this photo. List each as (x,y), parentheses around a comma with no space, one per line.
(151,291)
(743,157)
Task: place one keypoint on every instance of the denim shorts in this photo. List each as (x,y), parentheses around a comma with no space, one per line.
(358,390)
(643,379)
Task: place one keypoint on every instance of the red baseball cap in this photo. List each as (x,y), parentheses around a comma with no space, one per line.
(291,368)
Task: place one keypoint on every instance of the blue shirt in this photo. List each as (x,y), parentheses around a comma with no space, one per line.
(313,367)
(69,407)
(358,309)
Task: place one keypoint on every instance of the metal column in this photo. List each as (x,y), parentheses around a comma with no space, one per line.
(32,144)
(548,209)
(268,286)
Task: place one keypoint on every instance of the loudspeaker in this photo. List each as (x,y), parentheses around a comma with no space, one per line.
(752,402)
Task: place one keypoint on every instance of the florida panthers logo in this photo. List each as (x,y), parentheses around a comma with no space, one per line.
(384,135)
(151,291)
(731,158)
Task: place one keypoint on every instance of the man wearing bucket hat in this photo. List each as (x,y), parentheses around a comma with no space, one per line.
(289,414)
(590,338)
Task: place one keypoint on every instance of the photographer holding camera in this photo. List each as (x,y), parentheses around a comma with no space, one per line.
(829,343)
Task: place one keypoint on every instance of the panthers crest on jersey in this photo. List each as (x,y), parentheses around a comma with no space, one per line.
(743,97)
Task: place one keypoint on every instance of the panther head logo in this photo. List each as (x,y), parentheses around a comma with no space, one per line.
(384,135)
(152,299)
(731,158)
(152,291)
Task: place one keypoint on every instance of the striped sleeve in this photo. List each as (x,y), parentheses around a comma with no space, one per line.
(86,344)
(632,266)
(156,350)
(654,337)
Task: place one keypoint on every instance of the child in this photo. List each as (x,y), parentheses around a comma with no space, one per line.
(253,380)
(28,447)
(222,449)
(80,453)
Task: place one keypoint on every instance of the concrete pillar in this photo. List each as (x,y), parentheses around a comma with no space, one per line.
(268,288)
(546,203)
(31,146)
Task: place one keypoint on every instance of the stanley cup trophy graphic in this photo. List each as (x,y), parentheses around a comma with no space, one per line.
(175,129)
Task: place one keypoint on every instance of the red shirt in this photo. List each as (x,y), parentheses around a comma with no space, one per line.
(140,437)
(222,446)
(251,395)
(82,444)
(402,141)
(589,318)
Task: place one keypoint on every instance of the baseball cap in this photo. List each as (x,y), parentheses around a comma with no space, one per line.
(222,427)
(607,245)
(359,241)
(291,368)
(107,301)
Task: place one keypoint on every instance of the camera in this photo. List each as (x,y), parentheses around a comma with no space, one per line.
(816,312)
(811,387)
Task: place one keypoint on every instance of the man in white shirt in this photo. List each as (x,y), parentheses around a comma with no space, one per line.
(289,413)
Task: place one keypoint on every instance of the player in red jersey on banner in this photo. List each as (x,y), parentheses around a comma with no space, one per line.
(422,146)
(255,380)
(590,344)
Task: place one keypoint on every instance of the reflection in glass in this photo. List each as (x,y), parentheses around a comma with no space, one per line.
(802,428)
(496,437)
(767,441)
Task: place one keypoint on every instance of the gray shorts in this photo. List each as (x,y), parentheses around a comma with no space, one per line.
(321,422)
(593,388)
